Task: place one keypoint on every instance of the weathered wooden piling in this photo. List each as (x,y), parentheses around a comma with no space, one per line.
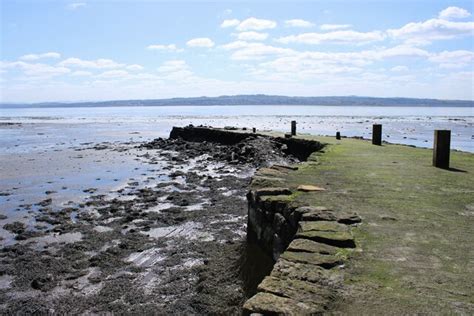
(254,130)
(338,135)
(293,128)
(377,134)
(441,148)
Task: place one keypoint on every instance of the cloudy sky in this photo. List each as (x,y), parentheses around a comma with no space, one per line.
(108,50)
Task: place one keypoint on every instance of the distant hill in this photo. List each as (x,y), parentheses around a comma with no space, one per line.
(259,99)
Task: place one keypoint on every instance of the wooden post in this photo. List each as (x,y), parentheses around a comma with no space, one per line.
(293,128)
(254,130)
(338,135)
(377,134)
(441,148)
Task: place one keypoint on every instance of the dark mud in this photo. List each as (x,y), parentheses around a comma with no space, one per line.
(172,241)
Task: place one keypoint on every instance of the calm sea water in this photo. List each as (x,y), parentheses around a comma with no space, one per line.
(53,127)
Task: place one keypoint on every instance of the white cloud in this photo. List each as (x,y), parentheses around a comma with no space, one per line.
(94,64)
(298,23)
(81,73)
(454,13)
(113,74)
(39,56)
(252,36)
(400,51)
(453,59)
(254,51)
(399,68)
(76,5)
(333,37)
(234,45)
(170,47)
(434,29)
(254,24)
(134,67)
(200,42)
(303,67)
(176,70)
(36,70)
(295,65)
(230,23)
(173,65)
(332,27)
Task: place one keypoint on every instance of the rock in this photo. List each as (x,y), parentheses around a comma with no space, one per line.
(261,181)
(284,167)
(45,202)
(307,251)
(15,227)
(306,245)
(349,219)
(330,233)
(308,213)
(311,294)
(267,303)
(43,283)
(306,272)
(279,222)
(310,188)
(318,259)
(268,172)
(272,191)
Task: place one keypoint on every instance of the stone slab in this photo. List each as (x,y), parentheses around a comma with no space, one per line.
(306,245)
(272,191)
(270,304)
(312,294)
(307,272)
(322,260)
(331,233)
(310,188)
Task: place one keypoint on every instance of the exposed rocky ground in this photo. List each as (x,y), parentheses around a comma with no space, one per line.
(171,242)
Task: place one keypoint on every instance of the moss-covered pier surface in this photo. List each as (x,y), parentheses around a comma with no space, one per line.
(364,229)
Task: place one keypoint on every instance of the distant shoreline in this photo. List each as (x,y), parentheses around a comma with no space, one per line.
(256,100)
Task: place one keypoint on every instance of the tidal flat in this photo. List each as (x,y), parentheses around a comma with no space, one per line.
(100,214)
(129,226)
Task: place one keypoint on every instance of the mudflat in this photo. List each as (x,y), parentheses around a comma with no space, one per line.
(170,239)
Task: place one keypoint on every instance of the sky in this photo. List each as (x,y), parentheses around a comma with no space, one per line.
(89,50)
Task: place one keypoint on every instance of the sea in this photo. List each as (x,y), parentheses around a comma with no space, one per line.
(46,128)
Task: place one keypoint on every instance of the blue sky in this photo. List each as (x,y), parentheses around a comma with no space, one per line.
(107,50)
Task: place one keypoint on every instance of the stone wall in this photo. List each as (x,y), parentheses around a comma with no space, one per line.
(297,147)
(201,133)
(310,245)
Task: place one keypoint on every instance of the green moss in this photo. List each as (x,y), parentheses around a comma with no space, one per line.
(415,242)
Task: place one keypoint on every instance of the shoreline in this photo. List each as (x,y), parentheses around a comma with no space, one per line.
(169,244)
(179,244)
